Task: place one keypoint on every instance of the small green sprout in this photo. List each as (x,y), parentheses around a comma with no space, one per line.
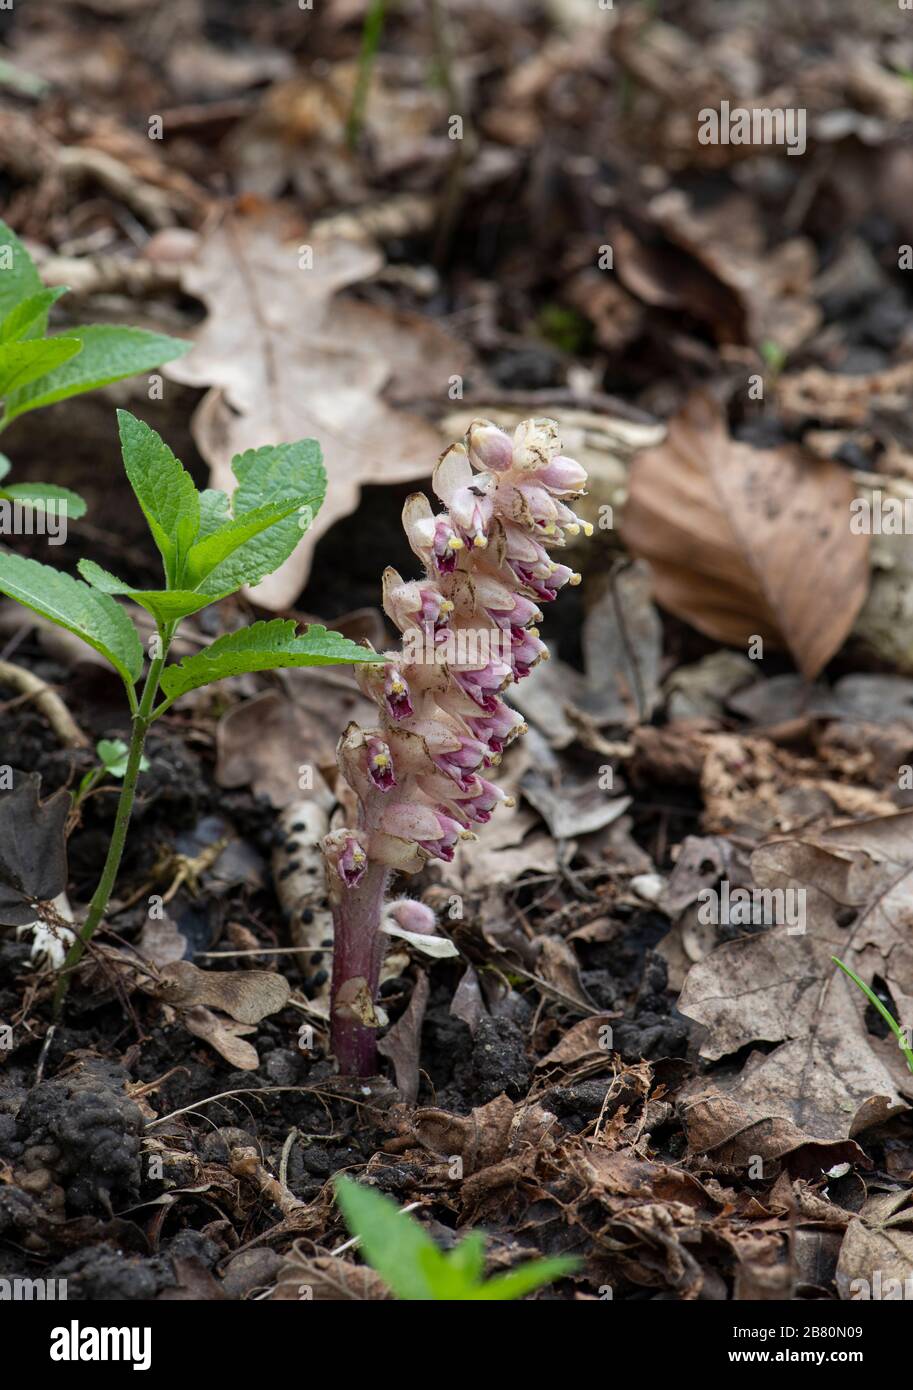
(408,1260)
(113,756)
(886,1014)
(774,356)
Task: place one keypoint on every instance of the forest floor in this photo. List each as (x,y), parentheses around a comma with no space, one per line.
(633,1059)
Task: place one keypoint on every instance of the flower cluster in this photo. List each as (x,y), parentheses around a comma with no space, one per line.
(468,631)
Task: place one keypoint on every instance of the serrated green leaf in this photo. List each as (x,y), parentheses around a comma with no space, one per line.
(265,646)
(166,605)
(37,494)
(226,559)
(393,1243)
(164,489)
(73,605)
(109,353)
(215,512)
(29,319)
(19,278)
(274,473)
(21,363)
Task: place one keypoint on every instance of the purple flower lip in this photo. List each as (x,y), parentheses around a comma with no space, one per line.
(352,863)
(397,695)
(451,832)
(380,765)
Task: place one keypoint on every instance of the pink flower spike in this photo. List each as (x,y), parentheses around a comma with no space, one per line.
(468,628)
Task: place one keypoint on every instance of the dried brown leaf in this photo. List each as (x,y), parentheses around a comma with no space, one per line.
(739,538)
(830,1076)
(284,363)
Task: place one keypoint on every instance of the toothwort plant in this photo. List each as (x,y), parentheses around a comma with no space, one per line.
(468,632)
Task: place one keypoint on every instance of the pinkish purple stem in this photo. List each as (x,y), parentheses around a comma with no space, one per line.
(357,953)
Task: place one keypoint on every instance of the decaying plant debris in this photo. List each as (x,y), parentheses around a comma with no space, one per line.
(630,1044)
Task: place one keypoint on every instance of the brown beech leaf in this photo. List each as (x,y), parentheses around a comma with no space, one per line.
(285,360)
(741,540)
(830,1075)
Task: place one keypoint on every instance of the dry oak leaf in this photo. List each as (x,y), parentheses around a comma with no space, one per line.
(877,1250)
(741,540)
(285,360)
(830,1076)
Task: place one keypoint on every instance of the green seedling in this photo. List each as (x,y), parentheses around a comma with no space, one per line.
(37,370)
(113,757)
(413,1267)
(886,1014)
(210,547)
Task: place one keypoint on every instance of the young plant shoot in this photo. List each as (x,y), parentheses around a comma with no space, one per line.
(210,547)
(37,370)
(413,1267)
(903,1040)
(467,633)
